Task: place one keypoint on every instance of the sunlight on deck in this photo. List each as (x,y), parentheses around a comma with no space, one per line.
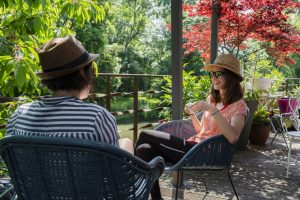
(259,172)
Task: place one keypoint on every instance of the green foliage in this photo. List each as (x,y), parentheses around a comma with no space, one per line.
(7,109)
(252,94)
(261,116)
(25,25)
(259,66)
(192,62)
(3,169)
(295,92)
(195,88)
(146,101)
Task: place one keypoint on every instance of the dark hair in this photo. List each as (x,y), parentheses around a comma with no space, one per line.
(234,91)
(74,81)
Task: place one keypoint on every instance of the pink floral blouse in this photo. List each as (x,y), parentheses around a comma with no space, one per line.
(209,126)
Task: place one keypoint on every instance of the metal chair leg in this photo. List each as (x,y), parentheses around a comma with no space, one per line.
(177,183)
(274,137)
(8,190)
(228,171)
(289,157)
(285,140)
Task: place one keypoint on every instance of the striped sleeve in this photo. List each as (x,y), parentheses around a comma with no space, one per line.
(106,128)
(11,123)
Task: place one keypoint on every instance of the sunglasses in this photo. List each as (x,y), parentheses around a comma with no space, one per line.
(218,74)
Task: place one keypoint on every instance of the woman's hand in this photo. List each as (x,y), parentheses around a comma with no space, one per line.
(188,109)
(202,105)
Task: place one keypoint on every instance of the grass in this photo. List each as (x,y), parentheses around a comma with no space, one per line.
(129,134)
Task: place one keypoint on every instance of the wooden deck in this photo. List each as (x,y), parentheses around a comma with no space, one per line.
(259,172)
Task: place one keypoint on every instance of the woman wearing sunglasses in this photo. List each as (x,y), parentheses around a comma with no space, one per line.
(224,112)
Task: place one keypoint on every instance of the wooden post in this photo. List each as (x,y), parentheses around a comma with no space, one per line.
(108,96)
(135,107)
(214,31)
(177,69)
(177,54)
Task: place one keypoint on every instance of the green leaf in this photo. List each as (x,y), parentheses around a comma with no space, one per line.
(11,3)
(20,75)
(30,25)
(3,75)
(86,15)
(37,24)
(5,58)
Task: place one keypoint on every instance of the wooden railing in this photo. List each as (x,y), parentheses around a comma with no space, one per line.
(109,94)
(135,93)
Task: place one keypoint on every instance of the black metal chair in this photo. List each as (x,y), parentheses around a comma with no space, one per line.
(61,168)
(214,154)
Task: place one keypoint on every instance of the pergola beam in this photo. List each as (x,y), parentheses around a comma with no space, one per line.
(214,31)
(177,54)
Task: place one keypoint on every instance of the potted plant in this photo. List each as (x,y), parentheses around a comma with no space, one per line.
(261,83)
(261,126)
(251,98)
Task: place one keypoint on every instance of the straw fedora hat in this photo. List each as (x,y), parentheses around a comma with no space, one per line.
(227,61)
(62,56)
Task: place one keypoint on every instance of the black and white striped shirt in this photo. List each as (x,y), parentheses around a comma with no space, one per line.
(64,117)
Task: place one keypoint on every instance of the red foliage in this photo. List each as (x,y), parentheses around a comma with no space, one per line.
(242,20)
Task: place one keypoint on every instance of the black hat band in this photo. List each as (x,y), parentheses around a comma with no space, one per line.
(71,64)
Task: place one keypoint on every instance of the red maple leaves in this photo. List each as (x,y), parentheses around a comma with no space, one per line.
(241,21)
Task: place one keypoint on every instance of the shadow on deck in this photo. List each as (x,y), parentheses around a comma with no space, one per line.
(259,172)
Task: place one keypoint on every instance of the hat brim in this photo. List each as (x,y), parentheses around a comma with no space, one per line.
(60,73)
(213,67)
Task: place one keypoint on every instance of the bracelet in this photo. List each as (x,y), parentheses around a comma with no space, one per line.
(214,113)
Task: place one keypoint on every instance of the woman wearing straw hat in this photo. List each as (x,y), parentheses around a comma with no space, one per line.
(224,112)
(68,72)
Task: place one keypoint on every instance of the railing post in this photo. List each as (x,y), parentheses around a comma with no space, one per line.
(108,96)
(286,86)
(135,107)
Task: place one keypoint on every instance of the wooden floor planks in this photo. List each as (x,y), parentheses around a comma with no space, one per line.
(258,173)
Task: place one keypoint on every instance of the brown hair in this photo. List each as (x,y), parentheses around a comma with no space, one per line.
(74,81)
(234,91)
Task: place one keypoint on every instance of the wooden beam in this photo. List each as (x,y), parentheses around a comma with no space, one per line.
(214,31)
(177,54)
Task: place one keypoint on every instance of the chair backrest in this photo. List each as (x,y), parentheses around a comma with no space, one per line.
(244,135)
(213,153)
(61,168)
(276,124)
(179,128)
(295,121)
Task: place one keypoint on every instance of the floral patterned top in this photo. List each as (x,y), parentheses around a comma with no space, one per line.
(209,126)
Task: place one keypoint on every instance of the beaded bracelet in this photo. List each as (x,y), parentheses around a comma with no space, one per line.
(214,113)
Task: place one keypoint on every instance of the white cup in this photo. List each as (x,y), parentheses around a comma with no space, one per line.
(189,105)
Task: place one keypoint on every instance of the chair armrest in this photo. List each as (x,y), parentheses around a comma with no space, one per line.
(157,162)
(213,153)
